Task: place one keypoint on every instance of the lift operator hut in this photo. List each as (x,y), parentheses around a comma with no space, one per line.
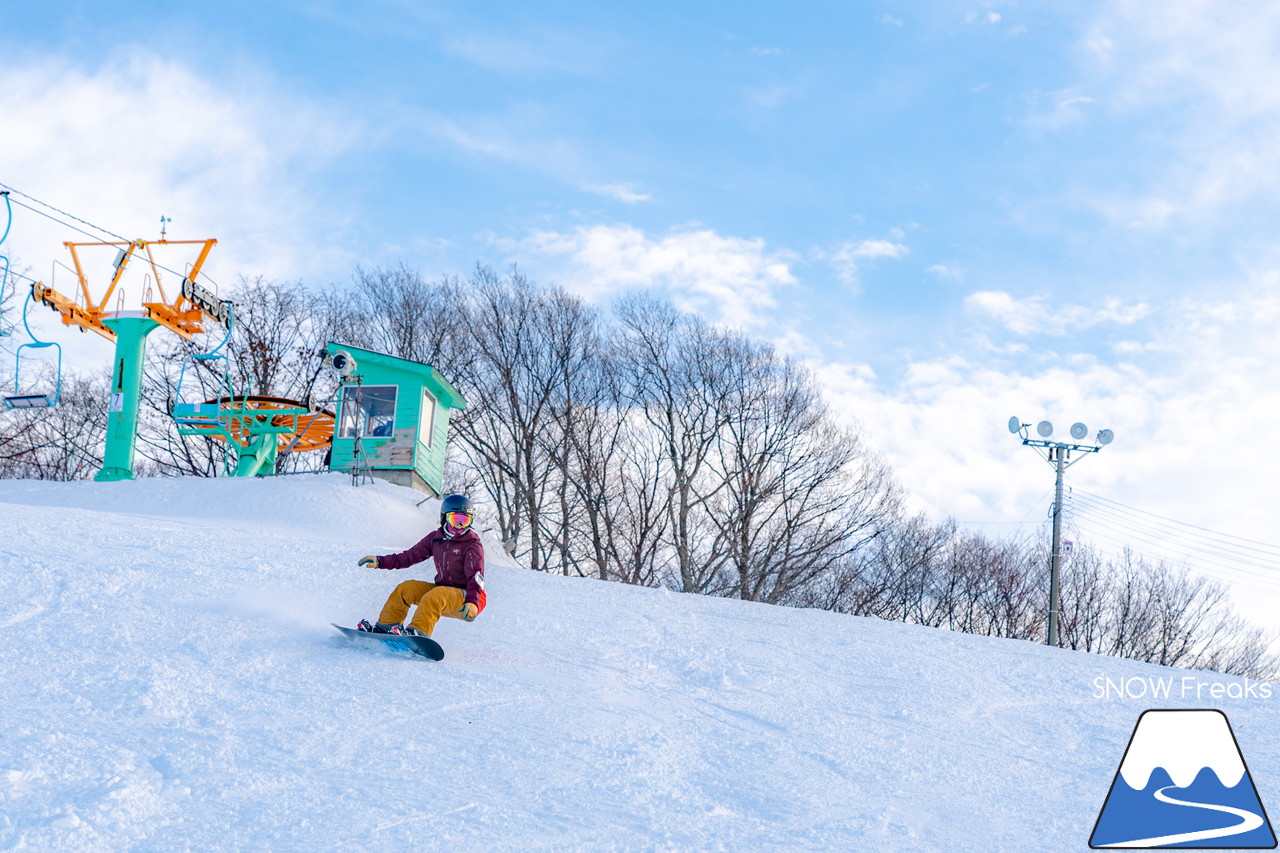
(393,418)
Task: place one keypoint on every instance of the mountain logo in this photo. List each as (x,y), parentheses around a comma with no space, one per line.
(1183,783)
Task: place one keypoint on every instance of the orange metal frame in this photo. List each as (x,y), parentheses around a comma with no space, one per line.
(299,429)
(178,314)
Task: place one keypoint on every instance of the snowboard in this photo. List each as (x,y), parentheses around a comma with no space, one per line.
(424,646)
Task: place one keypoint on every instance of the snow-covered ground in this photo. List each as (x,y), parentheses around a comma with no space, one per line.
(169,681)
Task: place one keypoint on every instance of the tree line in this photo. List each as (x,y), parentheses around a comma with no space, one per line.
(644,445)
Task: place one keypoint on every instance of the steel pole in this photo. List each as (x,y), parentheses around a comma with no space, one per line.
(259,457)
(1055,562)
(126,395)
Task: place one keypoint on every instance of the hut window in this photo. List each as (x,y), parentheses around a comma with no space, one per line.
(371,409)
(427,429)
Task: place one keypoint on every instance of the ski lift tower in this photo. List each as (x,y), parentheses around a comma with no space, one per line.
(184,312)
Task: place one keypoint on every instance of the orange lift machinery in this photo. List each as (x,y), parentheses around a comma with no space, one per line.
(184,312)
(256,427)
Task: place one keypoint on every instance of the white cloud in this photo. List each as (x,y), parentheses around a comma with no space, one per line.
(138,137)
(944,271)
(1036,315)
(626,193)
(847,259)
(141,136)
(1191,404)
(972,17)
(1051,111)
(731,279)
(534,51)
(1207,85)
(513,137)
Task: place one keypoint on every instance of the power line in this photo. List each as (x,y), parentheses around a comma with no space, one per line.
(57,220)
(1124,535)
(64,213)
(16,274)
(1023,520)
(1120,540)
(1226,574)
(1174,529)
(1181,538)
(1264,546)
(1174,538)
(97,237)
(1124,531)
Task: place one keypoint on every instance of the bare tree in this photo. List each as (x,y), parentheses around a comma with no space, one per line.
(1082,617)
(898,578)
(1012,600)
(586,442)
(398,312)
(1130,607)
(801,494)
(519,342)
(679,381)
(637,516)
(653,449)
(162,451)
(60,443)
(1171,616)
(271,350)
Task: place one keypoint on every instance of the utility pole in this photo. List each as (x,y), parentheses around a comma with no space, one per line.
(1057,454)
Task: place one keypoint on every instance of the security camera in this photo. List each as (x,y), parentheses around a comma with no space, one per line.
(342,362)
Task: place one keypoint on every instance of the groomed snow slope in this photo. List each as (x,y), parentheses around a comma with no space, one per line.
(170,682)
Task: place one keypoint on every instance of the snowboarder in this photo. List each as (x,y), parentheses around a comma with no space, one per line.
(458,591)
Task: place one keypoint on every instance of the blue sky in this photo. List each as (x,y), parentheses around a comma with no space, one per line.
(953,212)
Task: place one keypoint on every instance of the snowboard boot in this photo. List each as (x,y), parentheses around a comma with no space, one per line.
(375,627)
(406,631)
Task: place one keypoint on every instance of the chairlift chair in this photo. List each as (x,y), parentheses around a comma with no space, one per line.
(203,413)
(4,281)
(19,400)
(207,413)
(35,401)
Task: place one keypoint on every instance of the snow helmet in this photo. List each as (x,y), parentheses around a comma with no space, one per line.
(452,511)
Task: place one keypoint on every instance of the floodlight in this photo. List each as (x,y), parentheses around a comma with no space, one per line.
(1015,424)
(1105,437)
(342,362)
(1045,429)
(1079,431)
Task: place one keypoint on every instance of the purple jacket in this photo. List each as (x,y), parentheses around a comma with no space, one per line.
(459,562)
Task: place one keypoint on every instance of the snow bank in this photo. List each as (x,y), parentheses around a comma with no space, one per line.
(171,683)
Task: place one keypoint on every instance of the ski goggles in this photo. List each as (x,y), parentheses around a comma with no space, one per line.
(458,519)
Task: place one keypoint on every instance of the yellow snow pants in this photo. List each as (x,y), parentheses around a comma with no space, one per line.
(431,600)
